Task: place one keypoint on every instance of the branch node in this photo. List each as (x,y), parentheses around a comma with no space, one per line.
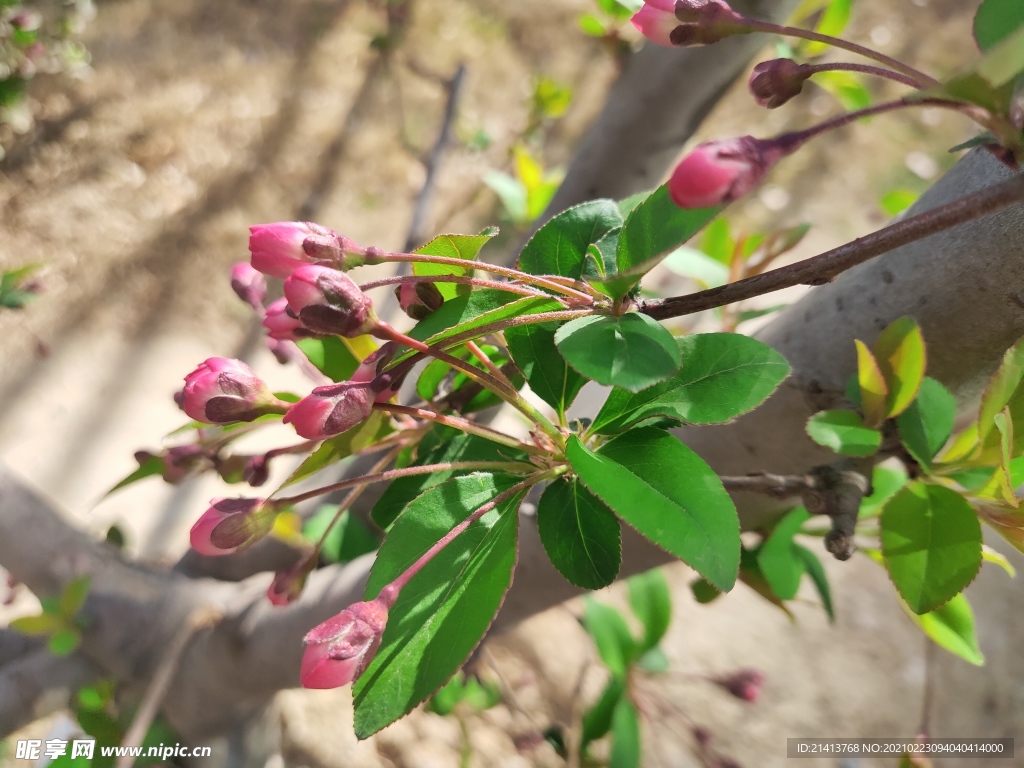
(837,493)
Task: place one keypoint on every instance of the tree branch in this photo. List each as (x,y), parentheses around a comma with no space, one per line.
(823,268)
(39,684)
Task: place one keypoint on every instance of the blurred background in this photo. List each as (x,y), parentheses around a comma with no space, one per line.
(134,164)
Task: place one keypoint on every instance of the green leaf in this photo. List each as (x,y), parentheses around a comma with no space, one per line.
(580,534)
(885,483)
(874,391)
(474,311)
(443,612)
(348,539)
(931,541)
(951,627)
(995,19)
(651,601)
(652,229)
(533,349)
(342,446)
(441,445)
(73,597)
(597,720)
(667,492)
(331,356)
(703,591)
(614,641)
(990,555)
(632,352)
(697,266)
(817,573)
(844,432)
(592,26)
(901,357)
(833,22)
(41,624)
(724,375)
(625,751)
(653,661)
(1004,61)
(64,642)
(927,424)
(154,465)
(897,201)
(1004,389)
(560,246)
(846,87)
(453,247)
(781,564)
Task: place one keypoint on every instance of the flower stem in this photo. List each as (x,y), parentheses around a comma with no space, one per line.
(867,69)
(394,474)
(480,355)
(457,422)
(921,79)
(821,269)
(378,256)
(390,592)
(460,280)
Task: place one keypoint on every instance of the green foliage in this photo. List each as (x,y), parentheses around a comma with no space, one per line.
(723,376)
(632,352)
(560,246)
(995,20)
(333,356)
(526,193)
(580,534)
(781,563)
(453,247)
(342,446)
(667,492)
(347,539)
(15,288)
(931,541)
(844,432)
(442,614)
(466,692)
(59,621)
(951,626)
(927,423)
(549,376)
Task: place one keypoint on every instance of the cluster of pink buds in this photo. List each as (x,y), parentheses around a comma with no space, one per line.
(224,391)
(687,22)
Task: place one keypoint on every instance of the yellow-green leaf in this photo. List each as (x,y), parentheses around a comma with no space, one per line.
(901,357)
(873,389)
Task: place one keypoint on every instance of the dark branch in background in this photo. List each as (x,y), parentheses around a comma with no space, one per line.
(831,490)
(40,684)
(417,225)
(823,268)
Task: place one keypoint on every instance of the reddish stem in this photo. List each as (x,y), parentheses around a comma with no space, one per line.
(461,280)
(867,69)
(461,424)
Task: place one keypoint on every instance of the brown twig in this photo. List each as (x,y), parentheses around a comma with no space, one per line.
(161,683)
(826,266)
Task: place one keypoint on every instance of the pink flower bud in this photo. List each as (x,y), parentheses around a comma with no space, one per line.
(327,301)
(278,249)
(181,461)
(287,584)
(223,391)
(282,324)
(705,22)
(744,684)
(230,525)
(718,172)
(334,409)
(775,82)
(257,470)
(656,20)
(418,300)
(250,285)
(340,649)
(373,366)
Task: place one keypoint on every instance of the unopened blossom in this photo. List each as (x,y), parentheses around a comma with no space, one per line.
(656,20)
(334,409)
(374,365)
(249,284)
(327,301)
(718,172)
(744,684)
(339,650)
(224,391)
(282,324)
(775,82)
(278,249)
(230,525)
(418,300)
(288,583)
(705,22)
